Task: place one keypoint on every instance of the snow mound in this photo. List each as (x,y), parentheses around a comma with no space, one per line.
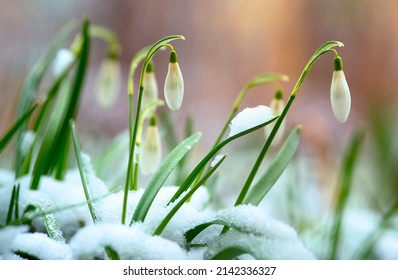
(129,243)
(259,234)
(39,245)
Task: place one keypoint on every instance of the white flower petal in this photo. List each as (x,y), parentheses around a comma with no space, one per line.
(174,87)
(108,82)
(150,92)
(151,151)
(340,96)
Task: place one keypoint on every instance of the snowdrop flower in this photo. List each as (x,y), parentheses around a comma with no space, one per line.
(150,85)
(277,105)
(63,59)
(108,82)
(174,84)
(339,92)
(151,149)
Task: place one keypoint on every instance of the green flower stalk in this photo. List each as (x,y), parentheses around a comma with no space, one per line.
(108,81)
(174,84)
(151,151)
(339,92)
(277,105)
(150,92)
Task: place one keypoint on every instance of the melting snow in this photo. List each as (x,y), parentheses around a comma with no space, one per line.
(250,117)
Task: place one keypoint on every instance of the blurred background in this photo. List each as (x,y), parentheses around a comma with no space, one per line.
(227,43)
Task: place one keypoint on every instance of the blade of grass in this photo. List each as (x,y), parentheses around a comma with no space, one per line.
(51,225)
(33,81)
(198,169)
(56,145)
(5,139)
(180,203)
(231,253)
(161,175)
(83,176)
(275,169)
(347,172)
(11,205)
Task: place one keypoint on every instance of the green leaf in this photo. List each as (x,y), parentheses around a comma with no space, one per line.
(267,78)
(33,81)
(186,198)
(52,227)
(346,175)
(12,204)
(161,175)
(83,175)
(198,169)
(112,254)
(56,145)
(14,128)
(231,253)
(275,169)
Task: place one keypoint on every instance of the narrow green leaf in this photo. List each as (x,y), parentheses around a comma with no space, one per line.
(186,198)
(198,169)
(26,256)
(161,175)
(55,146)
(346,175)
(193,232)
(83,175)
(60,147)
(11,205)
(112,254)
(267,78)
(275,169)
(231,253)
(33,81)
(5,139)
(52,227)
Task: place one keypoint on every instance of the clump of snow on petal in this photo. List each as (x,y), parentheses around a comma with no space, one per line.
(41,246)
(129,243)
(250,117)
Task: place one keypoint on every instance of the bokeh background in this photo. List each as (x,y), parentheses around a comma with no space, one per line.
(227,43)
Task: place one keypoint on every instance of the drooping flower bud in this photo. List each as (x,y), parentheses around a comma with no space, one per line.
(151,151)
(174,84)
(277,105)
(339,92)
(63,59)
(150,92)
(108,82)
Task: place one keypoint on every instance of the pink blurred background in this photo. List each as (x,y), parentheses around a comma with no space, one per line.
(227,43)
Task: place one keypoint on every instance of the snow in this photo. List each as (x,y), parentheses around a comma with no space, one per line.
(27,141)
(250,117)
(41,246)
(129,242)
(63,59)
(262,236)
(7,236)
